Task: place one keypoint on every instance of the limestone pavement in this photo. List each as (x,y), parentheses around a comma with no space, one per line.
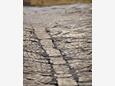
(57,46)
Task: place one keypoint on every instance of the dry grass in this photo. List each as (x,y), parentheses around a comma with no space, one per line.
(55,2)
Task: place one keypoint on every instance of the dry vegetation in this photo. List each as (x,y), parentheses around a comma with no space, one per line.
(55,2)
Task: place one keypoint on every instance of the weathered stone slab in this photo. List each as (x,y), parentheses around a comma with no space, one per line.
(47,43)
(63,75)
(57,60)
(66,82)
(52,51)
(40,32)
(61,69)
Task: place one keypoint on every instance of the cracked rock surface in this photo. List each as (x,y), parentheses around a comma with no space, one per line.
(57,45)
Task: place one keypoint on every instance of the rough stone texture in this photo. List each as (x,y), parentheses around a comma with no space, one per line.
(57,46)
